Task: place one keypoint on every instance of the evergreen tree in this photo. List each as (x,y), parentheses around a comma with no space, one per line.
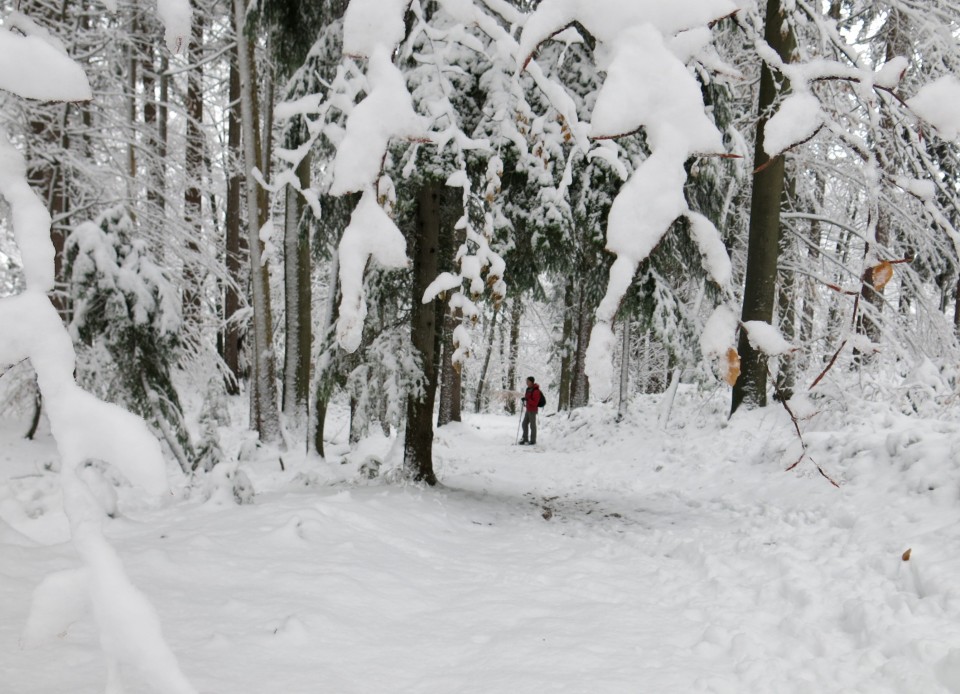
(127,309)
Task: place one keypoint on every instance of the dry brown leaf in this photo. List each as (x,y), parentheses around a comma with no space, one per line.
(731,367)
(881,274)
(906,555)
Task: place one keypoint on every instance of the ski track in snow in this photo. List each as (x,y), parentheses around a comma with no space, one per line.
(610,558)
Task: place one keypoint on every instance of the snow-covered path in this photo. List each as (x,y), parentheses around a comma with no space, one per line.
(612,558)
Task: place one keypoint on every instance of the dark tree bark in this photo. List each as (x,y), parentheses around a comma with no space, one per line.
(35,418)
(579,384)
(233,236)
(451,381)
(424,325)
(193,169)
(956,308)
(320,420)
(759,291)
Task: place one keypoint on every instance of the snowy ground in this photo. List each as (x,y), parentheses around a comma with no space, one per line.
(610,558)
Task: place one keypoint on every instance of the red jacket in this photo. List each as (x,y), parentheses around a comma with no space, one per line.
(531,399)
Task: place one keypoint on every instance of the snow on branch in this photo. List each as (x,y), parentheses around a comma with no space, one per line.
(42,72)
(766,338)
(369,129)
(643,47)
(175,15)
(938,103)
(369,25)
(370,234)
(84,427)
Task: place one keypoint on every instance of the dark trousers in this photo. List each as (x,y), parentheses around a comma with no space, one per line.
(529,422)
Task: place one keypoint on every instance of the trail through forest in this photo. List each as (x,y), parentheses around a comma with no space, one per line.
(610,558)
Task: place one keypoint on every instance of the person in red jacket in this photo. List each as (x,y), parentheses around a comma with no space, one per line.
(531,403)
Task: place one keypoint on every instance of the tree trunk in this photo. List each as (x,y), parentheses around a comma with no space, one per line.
(481,384)
(264,391)
(787,298)
(871,297)
(35,418)
(566,347)
(808,318)
(624,371)
(516,313)
(320,420)
(323,387)
(232,241)
(163,113)
(193,170)
(298,323)
(759,290)
(154,146)
(451,383)
(956,309)
(579,385)
(424,322)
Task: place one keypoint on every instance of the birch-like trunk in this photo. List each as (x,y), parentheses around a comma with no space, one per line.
(482,383)
(263,394)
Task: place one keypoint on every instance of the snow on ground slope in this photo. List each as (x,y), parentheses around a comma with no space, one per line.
(609,558)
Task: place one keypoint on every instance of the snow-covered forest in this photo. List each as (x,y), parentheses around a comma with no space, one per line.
(273,276)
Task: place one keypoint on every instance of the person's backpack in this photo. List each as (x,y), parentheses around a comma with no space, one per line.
(543,400)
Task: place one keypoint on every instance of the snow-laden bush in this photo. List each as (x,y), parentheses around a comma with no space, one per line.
(127,319)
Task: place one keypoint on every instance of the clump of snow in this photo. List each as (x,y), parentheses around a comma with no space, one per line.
(938,103)
(925,190)
(719,332)
(889,76)
(59,600)
(713,252)
(606,19)
(370,234)
(370,128)
(599,366)
(766,338)
(31,221)
(797,120)
(371,24)
(667,102)
(175,16)
(226,484)
(42,72)
(444,282)
(643,211)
